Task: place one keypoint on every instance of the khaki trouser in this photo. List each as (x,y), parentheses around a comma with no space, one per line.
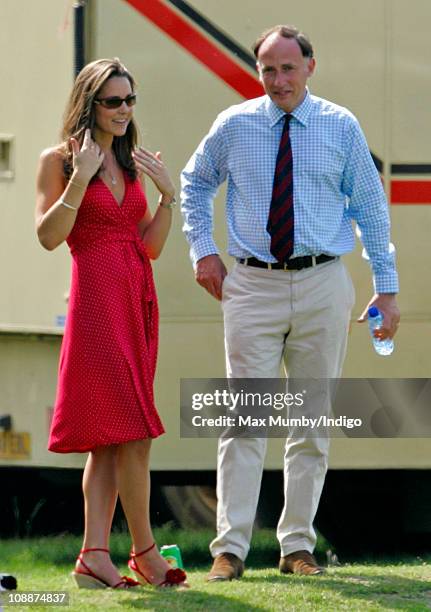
(301,317)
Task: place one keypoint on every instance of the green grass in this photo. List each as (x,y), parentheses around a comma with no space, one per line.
(391,584)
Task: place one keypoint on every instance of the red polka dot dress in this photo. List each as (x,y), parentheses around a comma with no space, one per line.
(109,350)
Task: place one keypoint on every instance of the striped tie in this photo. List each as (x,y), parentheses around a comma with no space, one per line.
(280,221)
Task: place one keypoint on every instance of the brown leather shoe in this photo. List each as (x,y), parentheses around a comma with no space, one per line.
(301,562)
(226,566)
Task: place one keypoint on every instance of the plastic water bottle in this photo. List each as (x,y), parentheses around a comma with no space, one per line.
(375,320)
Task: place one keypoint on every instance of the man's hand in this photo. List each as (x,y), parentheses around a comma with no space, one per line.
(210,272)
(387,305)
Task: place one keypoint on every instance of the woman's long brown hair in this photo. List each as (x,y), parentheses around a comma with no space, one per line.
(80,113)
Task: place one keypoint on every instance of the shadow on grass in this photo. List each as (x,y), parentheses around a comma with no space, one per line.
(192,600)
(383,588)
(389,590)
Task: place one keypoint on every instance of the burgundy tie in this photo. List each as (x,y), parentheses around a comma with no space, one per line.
(280,221)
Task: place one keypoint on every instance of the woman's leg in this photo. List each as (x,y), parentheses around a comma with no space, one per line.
(134,490)
(99,485)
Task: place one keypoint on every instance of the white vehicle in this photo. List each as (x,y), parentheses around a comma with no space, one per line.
(190,60)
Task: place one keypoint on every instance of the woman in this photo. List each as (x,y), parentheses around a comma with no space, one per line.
(89,194)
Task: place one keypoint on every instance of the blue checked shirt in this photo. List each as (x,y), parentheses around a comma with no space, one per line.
(334,180)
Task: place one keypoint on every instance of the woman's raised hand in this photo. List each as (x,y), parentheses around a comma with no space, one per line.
(87,159)
(153,166)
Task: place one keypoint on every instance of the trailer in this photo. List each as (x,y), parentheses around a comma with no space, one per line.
(191,60)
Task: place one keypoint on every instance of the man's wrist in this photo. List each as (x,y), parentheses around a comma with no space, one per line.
(207,255)
(201,247)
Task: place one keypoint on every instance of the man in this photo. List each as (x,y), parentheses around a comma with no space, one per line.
(298,171)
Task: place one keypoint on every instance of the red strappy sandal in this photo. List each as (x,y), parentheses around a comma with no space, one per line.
(90,580)
(173,577)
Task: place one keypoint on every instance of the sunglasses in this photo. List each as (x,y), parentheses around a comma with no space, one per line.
(116,101)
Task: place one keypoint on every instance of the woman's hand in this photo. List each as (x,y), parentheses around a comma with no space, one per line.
(88,159)
(153,166)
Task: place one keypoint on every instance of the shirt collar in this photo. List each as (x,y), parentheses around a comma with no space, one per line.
(301,112)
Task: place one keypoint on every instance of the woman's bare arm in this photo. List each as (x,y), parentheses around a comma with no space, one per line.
(58,200)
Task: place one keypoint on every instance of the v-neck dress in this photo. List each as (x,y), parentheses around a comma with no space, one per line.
(109,349)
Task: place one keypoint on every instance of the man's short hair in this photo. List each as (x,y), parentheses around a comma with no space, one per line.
(287,31)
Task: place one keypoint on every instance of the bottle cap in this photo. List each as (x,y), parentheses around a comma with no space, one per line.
(373,312)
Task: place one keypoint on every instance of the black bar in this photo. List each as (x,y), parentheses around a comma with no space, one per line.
(411,168)
(215,32)
(79,41)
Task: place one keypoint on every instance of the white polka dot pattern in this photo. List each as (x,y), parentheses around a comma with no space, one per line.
(109,350)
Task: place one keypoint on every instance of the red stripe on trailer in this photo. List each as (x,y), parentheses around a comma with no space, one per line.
(411,192)
(200,47)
